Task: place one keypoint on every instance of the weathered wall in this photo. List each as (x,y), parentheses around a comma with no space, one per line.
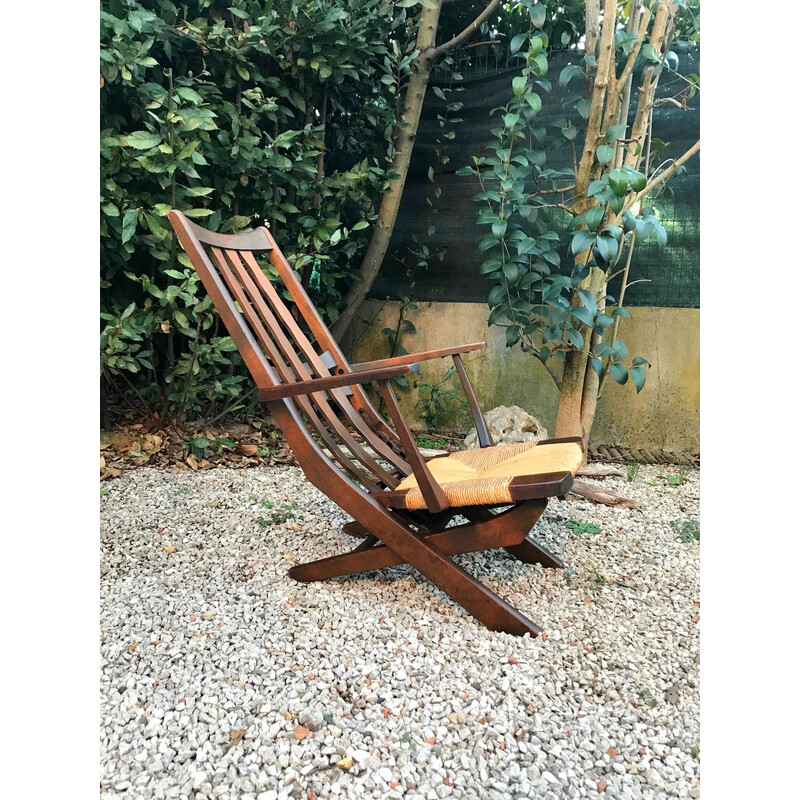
(666,414)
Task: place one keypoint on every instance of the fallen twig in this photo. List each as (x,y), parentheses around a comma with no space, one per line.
(590,492)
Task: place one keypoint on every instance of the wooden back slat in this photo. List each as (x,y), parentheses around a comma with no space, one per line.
(277,350)
(301,342)
(188,235)
(290,353)
(264,338)
(250,314)
(342,400)
(376,424)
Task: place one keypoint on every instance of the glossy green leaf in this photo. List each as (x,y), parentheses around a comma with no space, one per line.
(568,73)
(615,132)
(593,217)
(595,187)
(588,299)
(582,314)
(534,101)
(618,182)
(638,376)
(538,14)
(619,372)
(649,52)
(142,140)
(583,107)
(603,321)
(129,222)
(604,153)
(517,42)
(574,338)
(581,240)
(607,247)
(539,64)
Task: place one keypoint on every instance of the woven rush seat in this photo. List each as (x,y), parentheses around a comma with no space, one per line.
(501,474)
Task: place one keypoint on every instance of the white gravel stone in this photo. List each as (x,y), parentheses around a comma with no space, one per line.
(213,639)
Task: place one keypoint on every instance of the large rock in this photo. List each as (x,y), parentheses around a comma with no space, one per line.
(509,424)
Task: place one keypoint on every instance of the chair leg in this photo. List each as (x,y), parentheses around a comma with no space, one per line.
(356,529)
(527,550)
(431,555)
(498,530)
(532,553)
(460,586)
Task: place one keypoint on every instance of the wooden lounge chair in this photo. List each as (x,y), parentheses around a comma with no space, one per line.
(400,502)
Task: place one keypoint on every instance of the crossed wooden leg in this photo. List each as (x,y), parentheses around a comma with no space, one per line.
(527,550)
(429,552)
(356,529)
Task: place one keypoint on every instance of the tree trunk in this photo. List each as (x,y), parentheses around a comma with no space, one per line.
(406,135)
(610,101)
(576,381)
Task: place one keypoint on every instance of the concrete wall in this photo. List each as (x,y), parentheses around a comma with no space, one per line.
(666,414)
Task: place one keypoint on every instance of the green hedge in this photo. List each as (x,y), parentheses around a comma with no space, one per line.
(226,110)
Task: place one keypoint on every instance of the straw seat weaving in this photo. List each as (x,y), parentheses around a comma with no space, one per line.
(484,476)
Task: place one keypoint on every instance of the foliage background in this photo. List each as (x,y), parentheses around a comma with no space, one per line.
(243,113)
(232,112)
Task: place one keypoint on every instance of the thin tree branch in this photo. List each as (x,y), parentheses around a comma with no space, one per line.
(468,31)
(649,82)
(599,89)
(644,21)
(552,191)
(147,407)
(571,211)
(625,90)
(668,171)
(488,42)
(592,25)
(189,375)
(236,401)
(553,374)
(537,352)
(618,86)
(640,280)
(662,100)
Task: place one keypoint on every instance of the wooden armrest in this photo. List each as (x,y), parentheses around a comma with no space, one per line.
(334,382)
(416,357)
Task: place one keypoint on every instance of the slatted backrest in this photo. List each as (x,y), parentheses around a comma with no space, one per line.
(277,350)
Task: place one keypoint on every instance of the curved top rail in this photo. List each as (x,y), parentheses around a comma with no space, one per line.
(254,241)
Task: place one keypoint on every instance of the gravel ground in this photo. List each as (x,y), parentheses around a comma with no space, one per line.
(222,678)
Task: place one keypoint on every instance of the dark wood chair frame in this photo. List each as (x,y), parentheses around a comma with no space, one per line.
(318,400)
